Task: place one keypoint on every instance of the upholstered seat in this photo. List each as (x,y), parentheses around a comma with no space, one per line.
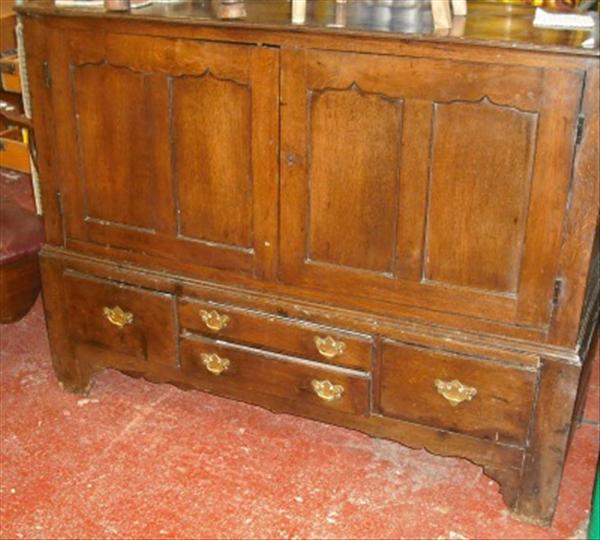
(21,237)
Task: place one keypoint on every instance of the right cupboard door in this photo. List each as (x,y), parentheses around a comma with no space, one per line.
(434,183)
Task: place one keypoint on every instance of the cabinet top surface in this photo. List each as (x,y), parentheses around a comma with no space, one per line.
(487,23)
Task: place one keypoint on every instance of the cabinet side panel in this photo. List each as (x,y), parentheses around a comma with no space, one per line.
(578,261)
(38,53)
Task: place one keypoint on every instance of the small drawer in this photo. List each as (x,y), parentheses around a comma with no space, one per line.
(280,334)
(243,372)
(475,396)
(9,74)
(133,325)
(14,151)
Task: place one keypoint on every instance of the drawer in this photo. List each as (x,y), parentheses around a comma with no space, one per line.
(119,325)
(478,397)
(9,74)
(299,338)
(14,151)
(243,372)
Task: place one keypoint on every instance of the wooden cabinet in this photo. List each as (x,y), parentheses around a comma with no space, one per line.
(387,233)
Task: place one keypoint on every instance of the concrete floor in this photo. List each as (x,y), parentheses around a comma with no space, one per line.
(137,460)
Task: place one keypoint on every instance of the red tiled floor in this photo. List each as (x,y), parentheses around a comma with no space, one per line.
(137,460)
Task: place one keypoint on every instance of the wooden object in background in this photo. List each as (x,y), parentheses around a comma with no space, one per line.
(21,237)
(442,14)
(14,151)
(459,8)
(303,202)
(8,20)
(9,74)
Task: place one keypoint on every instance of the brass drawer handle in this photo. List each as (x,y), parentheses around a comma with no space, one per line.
(327,390)
(214,320)
(117,316)
(214,363)
(455,391)
(329,347)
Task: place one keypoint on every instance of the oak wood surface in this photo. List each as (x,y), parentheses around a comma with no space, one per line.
(19,288)
(258,372)
(481,225)
(498,411)
(277,332)
(149,336)
(551,429)
(178,194)
(464,247)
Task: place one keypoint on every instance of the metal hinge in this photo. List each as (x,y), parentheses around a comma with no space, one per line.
(558,287)
(580,124)
(46,75)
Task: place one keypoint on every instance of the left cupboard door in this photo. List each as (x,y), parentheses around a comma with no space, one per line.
(168,149)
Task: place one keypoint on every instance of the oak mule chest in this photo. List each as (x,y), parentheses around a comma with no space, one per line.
(387,232)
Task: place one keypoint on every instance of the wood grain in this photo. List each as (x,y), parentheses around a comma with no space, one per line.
(211,135)
(481,170)
(150,337)
(20,286)
(262,373)
(350,221)
(499,411)
(277,333)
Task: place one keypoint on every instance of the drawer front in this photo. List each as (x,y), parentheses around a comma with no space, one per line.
(9,74)
(317,342)
(473,396)
(240,371)
(14,152)
(135,326)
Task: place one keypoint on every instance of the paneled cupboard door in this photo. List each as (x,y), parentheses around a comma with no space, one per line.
(426,182)
(170,149)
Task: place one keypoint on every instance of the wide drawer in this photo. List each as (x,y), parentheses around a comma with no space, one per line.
(119,325)
(244,372)
(323,343)
(475,396)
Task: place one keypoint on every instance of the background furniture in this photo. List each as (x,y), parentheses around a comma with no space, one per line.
(21,237)
(388,233)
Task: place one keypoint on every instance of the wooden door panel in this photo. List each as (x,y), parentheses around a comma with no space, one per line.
(437,189)
(118,109)
(171,148)
(211,135)
(350,225)
(481,171)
